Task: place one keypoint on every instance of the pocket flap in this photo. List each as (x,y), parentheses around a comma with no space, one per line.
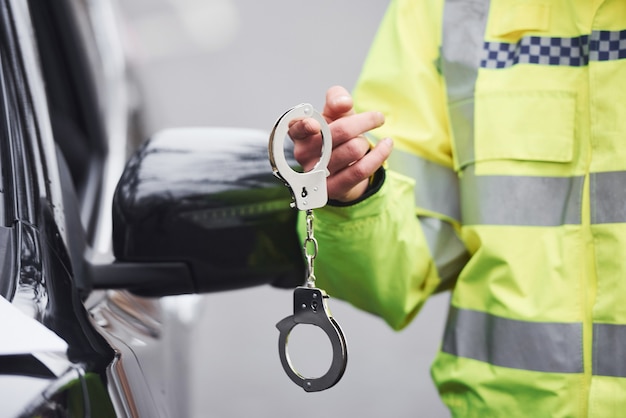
(508,18)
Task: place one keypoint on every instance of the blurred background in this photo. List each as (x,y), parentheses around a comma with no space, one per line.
(243,63)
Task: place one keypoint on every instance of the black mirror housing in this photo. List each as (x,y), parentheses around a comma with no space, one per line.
(203,203)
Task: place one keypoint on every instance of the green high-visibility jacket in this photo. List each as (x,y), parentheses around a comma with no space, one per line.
(507,185)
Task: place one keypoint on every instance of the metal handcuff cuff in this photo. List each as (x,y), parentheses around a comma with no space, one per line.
(308,191)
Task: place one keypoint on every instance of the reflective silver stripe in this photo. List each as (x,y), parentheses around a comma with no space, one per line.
(446,249)
(462,42)
(538,346)
(464,24)
(608,197)
(436,190)
(436,186)
(462,124)
(520,200)
(609,350)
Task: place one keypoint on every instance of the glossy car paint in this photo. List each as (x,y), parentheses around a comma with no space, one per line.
(204,199)
(114,365)
(68,124)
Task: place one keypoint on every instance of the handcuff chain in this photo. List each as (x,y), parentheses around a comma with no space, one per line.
(310,257)
(308,191)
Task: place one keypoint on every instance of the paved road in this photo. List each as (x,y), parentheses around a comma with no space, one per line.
(242,63)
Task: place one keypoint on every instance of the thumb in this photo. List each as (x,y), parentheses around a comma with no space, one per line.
(338,103)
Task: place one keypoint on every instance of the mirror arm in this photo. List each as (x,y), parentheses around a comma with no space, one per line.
(144,278)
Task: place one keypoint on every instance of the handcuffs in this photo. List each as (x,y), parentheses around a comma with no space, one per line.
(310,306)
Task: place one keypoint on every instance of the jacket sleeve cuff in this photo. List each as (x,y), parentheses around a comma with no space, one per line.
(388,183)
(375,184)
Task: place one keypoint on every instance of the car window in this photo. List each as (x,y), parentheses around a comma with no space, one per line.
(72,99)
(17,185)
(7,208)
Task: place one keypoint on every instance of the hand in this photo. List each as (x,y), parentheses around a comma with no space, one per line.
(352,161)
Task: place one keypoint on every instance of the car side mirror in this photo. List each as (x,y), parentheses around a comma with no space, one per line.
(198,210)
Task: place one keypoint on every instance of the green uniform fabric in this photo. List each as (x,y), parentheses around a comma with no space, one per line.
(533,135)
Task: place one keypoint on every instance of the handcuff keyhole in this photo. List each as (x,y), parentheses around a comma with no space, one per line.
(314,306)
(304,193)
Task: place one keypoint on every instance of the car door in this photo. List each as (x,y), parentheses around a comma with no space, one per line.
(51,360)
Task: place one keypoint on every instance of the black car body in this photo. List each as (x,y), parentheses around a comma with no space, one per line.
(91,340)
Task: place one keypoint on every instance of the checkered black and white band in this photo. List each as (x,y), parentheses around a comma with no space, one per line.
(573,52)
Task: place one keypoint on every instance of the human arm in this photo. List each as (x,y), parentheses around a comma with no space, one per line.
(388,253)
(353,161)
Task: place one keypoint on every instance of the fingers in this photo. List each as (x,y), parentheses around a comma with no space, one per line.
(305,134)
(351,182)
(303,128)
(345,131)
(338,103)
(342,130)
(338,108)
(347,153)
(352,162)
(349,127)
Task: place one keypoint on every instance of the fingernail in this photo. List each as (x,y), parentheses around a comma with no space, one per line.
(388,142)
(342,100)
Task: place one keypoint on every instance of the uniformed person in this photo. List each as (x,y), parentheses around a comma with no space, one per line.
(507,184)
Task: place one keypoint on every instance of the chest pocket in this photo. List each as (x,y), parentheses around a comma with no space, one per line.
(535,125)
(497,122)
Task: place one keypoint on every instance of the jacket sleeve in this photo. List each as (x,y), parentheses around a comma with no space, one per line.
(389,253)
